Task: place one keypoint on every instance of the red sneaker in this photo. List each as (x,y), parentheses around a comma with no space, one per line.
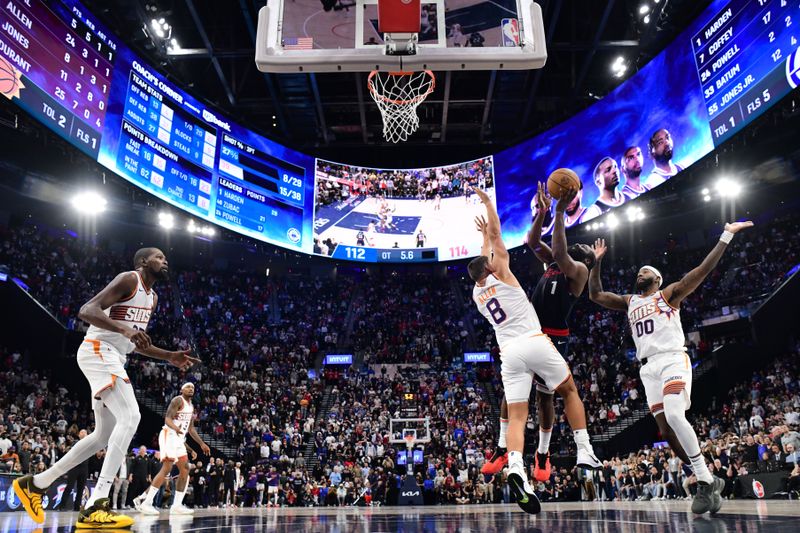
(541,469)
(497,462)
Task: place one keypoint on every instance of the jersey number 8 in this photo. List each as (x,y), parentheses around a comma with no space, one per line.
(498,315)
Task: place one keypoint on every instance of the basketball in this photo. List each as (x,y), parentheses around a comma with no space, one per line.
(8,78)
(562,180)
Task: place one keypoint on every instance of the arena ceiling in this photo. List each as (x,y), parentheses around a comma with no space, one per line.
(325,112)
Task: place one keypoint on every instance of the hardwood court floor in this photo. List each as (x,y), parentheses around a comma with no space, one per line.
(615,517)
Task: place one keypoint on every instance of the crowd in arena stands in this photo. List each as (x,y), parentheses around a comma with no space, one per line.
(405,319)
(258,337)
(337,182)
(754,429)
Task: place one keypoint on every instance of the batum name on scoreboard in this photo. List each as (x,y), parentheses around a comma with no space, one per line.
(389,255)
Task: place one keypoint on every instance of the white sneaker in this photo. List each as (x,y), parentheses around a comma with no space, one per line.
(521,489)
(180,509)
(587,459)
(148,509)
(138,501)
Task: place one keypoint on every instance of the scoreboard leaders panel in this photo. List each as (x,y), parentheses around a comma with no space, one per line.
(59,63)
(64,67)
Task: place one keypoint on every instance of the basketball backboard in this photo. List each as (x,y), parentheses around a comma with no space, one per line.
(301,36)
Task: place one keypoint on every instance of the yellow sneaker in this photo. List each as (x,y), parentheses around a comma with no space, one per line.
(100,516)
(30,496)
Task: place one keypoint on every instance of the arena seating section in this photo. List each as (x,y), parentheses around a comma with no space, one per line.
(259,336)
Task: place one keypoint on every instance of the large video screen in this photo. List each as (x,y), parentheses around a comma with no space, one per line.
(728,67)
(79,79)
(60,64)
(390,215)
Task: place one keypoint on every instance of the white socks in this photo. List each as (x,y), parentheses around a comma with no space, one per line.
(544,440)
(515,458)
(700,468)
(101,490)
(177,501)
(151,494)
(501,442)
(81,450)
(581,437)
(674,409)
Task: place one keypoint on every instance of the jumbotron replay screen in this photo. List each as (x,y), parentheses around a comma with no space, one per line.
(60,64)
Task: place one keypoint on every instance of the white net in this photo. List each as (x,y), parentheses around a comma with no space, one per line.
(398,94)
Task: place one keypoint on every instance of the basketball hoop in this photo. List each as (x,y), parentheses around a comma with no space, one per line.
(398,94)
(409,441)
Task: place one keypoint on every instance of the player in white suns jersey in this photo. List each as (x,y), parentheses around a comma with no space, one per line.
(118,316)
(666,372)
(178,422)
(524,350)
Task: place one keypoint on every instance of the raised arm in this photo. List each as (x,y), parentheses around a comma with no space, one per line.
(596,292)
(499,259)
(120,288)
(535,243)
(576,272)
(480,224)
(676,292)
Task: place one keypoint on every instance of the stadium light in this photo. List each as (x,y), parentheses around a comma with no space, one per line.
(646,19)
(728,188)
(705,191)
(618,67)
(612,221)
(706,198)
(89,203)
(166,220)
(634,214)
(644,9)
(208,231)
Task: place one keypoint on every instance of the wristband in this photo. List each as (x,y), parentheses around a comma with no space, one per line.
(726,237)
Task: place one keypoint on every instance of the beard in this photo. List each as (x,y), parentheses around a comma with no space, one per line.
(633,173)
(643,285)
(162,275)
(665,157)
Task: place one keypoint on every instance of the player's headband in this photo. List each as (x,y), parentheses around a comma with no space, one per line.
(655,271)
(187,384)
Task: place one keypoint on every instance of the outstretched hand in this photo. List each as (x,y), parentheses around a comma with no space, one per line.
(543,199)
(481,194)
(599,248)
(481,224)
(735,227)
(566,199)
(182,359)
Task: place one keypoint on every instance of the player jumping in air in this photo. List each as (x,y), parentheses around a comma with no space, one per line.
(525,351)
(556,292)
(666,371)
(178,422)
(118,316)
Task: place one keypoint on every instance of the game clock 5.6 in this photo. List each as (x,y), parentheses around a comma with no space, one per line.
(391,255)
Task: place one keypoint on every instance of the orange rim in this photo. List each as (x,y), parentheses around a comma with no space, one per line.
(414,100)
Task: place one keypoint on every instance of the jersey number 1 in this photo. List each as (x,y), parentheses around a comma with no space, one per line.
(498,315)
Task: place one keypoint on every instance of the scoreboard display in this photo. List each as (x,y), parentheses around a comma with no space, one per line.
(76,77)
(731,64)
(741,58)
(64,67)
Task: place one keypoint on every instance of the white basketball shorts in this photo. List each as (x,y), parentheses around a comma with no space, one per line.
(102,365)
(525,356)
(171,445)
(666,373)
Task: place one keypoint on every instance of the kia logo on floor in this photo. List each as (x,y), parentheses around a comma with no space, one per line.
(410,493)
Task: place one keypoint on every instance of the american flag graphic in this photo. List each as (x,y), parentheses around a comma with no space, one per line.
(298,43)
